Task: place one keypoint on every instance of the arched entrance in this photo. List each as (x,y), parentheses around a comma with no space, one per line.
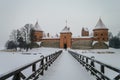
(65,46)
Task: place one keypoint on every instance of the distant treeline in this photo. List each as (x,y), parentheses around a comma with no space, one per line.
(114,41)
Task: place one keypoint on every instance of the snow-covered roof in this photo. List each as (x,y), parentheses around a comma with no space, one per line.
(100,25)
(94,42)
(65,30)
(82,37)
(107,43)
(39,43)
(85,29)
(37,27)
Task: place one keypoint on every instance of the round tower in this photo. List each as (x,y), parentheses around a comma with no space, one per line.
(100,32)
(65,38)
(38,32)
(85,32)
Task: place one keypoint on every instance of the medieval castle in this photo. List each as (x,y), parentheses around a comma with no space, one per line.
(99,39)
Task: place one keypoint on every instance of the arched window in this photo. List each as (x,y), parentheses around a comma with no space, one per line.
(102,34)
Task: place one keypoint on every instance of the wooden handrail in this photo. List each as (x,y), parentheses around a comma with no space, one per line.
(89,64)
(44,63)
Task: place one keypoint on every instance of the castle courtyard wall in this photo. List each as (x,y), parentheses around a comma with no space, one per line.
(55,43)
(82,43)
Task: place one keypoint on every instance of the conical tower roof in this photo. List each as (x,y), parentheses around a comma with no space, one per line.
(37,27)
(65,30)
(100,25)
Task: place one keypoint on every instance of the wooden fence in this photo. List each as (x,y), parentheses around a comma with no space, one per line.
(43,62)
(90,63)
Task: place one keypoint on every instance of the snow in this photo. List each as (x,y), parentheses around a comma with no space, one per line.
(82,36)
(94,42)
(39,43)
(86,29)
(1,48)
(66,30)
(37,27)
(11,60)
(66,68)
(108,56)
(100,25)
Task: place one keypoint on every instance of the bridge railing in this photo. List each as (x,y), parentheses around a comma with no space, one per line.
(43,62)
(90,63)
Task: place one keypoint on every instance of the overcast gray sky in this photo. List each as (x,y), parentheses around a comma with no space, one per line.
(51,15)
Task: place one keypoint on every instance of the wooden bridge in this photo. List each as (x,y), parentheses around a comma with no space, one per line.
(65,67)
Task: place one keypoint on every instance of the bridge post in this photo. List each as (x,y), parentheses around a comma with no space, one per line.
(42,66)
(80,59)
(93,71)
(117,77)
(49,60)
(16,76)
(46,59)
(102,70)
(83,63)
(34,67)
(87,64)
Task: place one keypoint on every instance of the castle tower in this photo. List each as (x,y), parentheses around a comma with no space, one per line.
(38,32)
(65,38)
(85,32)
(100,32)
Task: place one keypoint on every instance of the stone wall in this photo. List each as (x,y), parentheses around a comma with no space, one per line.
(82,44)
(51,43)
(76,43)
(100,45)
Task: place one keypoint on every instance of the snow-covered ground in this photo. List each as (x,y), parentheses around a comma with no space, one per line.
(108,56)
(1,48)
(11,60)
(63,67)
(66,68)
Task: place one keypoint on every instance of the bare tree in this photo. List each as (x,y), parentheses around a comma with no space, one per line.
(26,31)
(13,36)
(23,37)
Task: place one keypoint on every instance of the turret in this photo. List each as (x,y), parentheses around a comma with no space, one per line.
(65,38)
(38,32)
(85,32)
(100,31)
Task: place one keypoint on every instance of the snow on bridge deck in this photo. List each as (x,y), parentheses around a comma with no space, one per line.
(66,68)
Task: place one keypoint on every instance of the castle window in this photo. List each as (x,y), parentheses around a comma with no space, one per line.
(95,34)
(101,34)
(103,39)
